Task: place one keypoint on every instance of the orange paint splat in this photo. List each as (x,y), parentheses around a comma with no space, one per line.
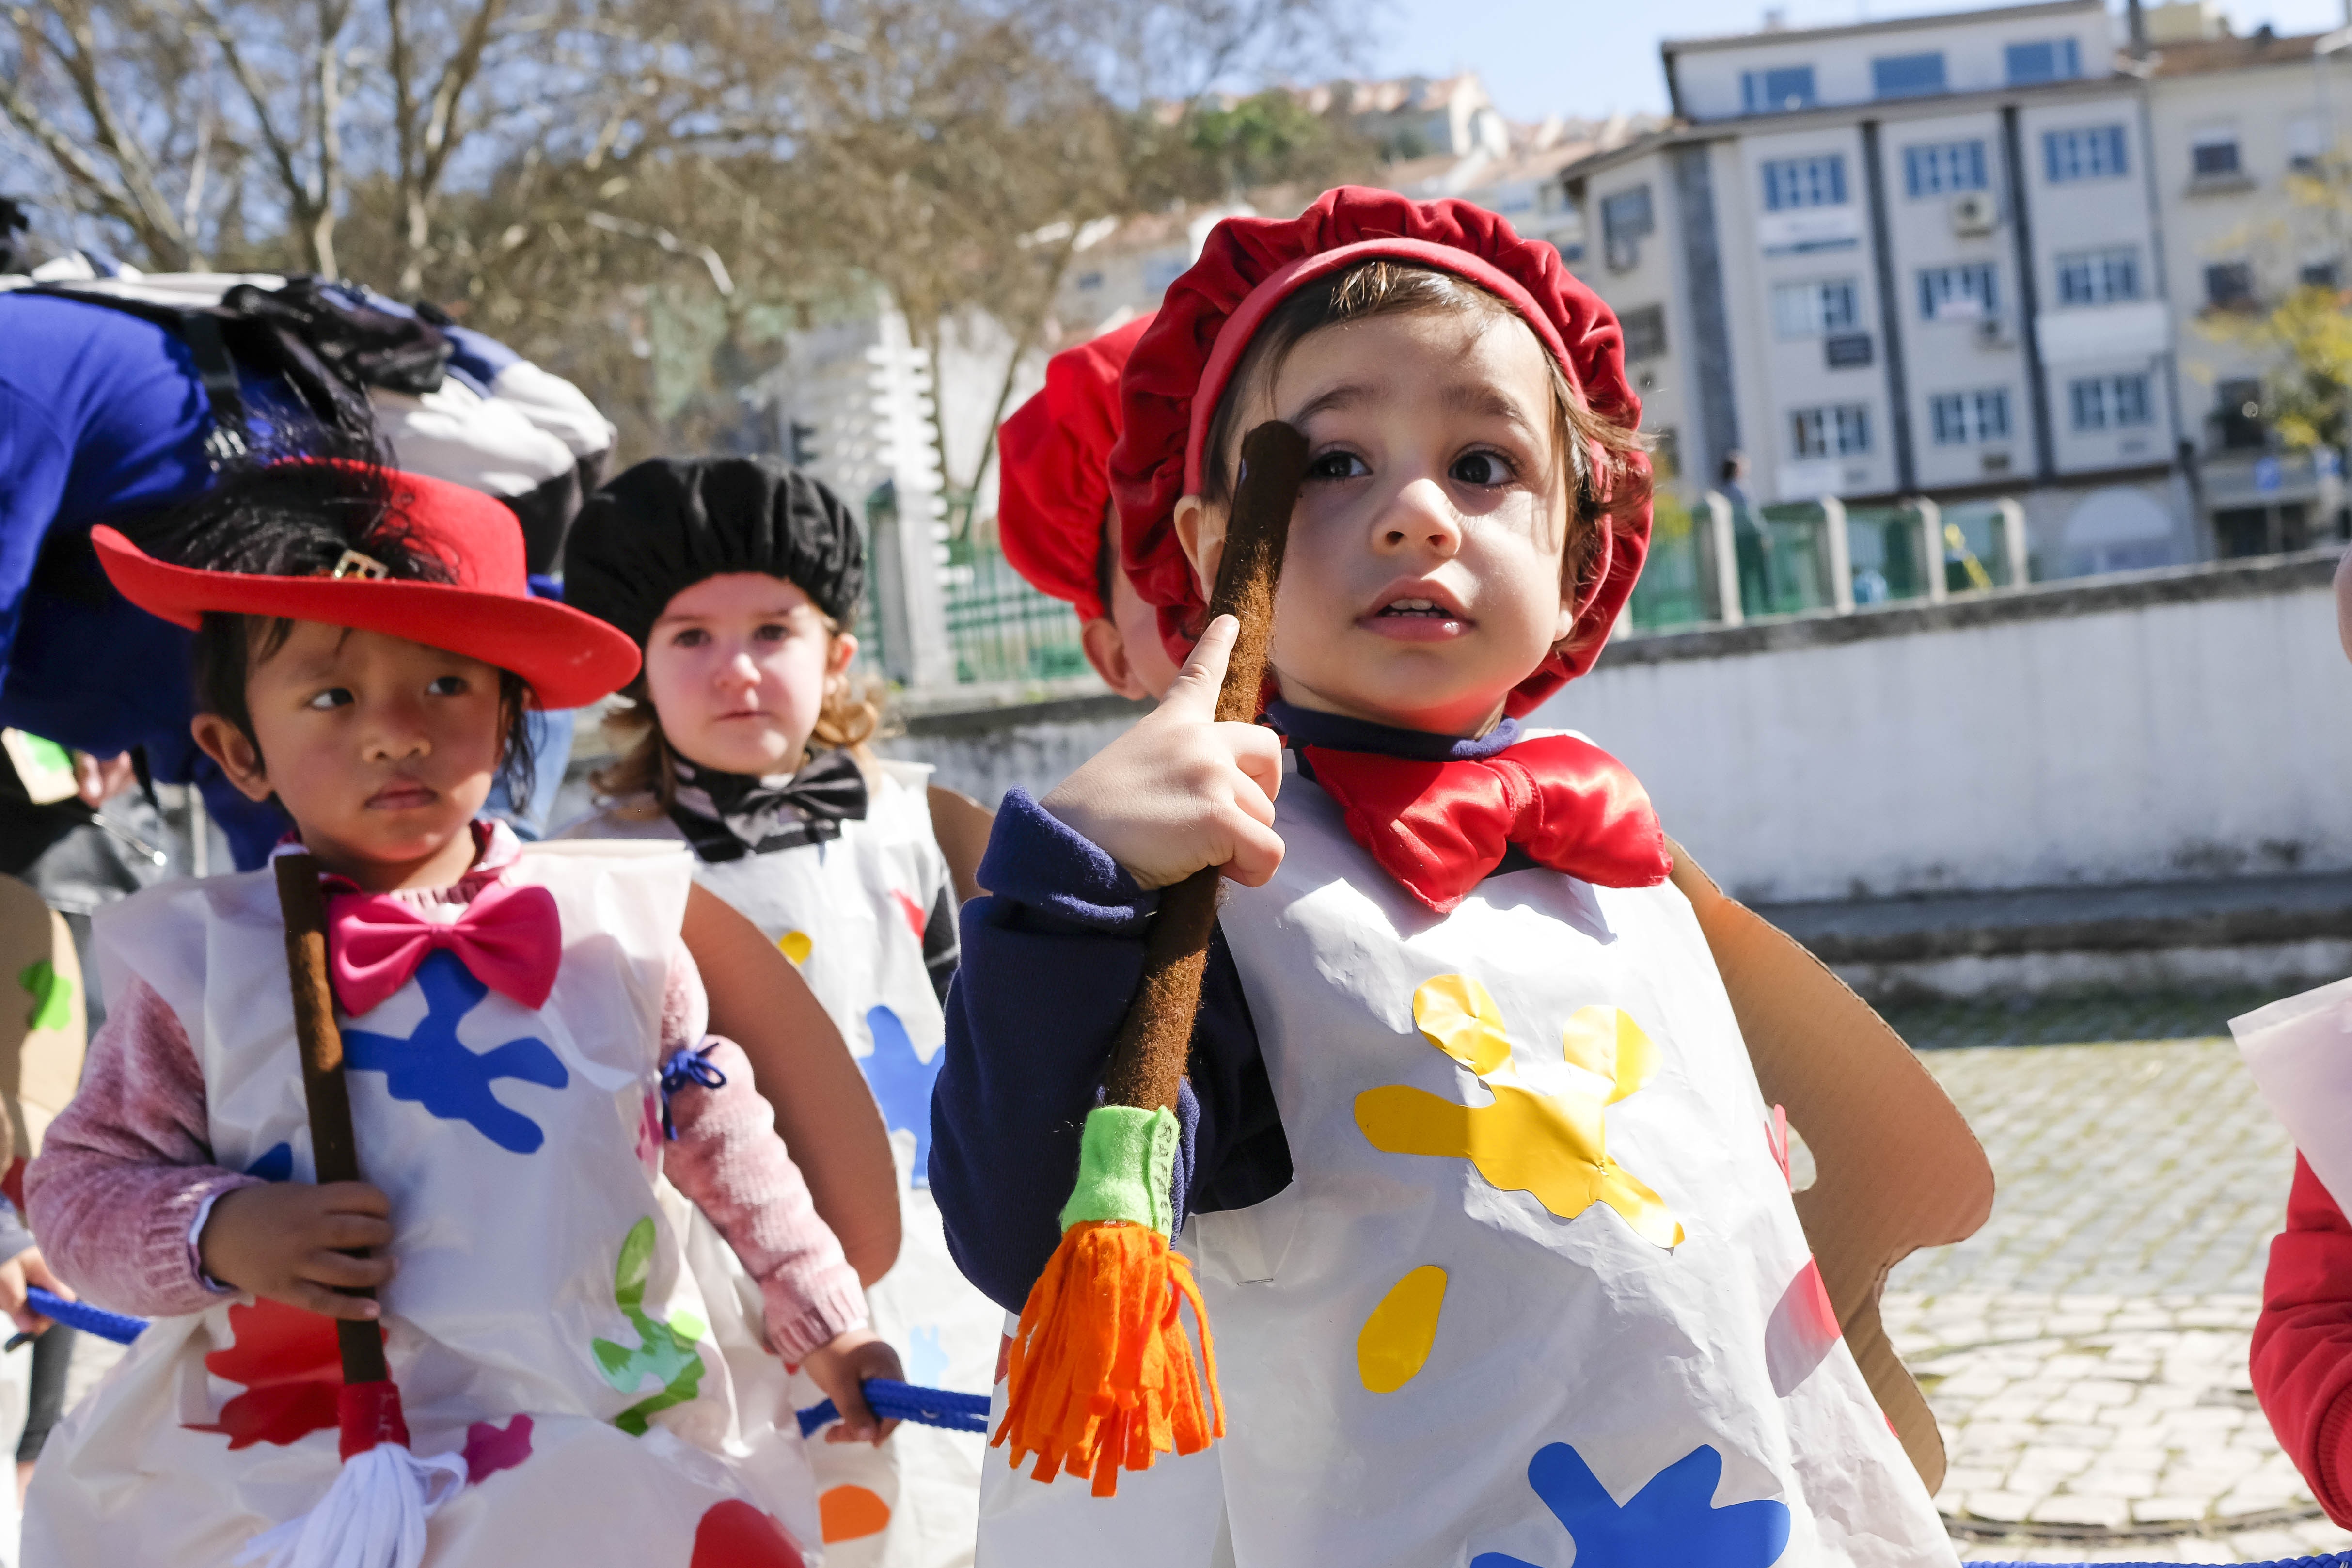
(1554,1146)
(1397,1337)
(852,1513)
(795,945)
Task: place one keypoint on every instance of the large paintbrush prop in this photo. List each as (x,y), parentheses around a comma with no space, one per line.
(374,1515)
(1101,1376)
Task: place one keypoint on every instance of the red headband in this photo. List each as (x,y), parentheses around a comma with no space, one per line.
(1184,363)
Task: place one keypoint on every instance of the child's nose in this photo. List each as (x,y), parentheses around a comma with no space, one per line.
(1422,517)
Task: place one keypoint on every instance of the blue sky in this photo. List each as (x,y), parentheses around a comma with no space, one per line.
(1593,57)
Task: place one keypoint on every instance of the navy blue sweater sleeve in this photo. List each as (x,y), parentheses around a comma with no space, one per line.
(1052,956)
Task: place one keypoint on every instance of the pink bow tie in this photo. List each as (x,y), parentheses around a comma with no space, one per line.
(510,938)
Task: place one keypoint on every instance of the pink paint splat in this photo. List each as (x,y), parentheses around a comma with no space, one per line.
(1777,1134)
(649,1135)
(912,910)
(489,1449)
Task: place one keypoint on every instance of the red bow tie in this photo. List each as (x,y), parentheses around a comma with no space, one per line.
(1440,828)
(510,938)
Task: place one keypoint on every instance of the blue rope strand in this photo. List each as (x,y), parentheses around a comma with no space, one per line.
(891,1401)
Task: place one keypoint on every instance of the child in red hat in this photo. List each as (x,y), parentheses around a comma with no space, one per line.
(537,1106)
(1054,517)
(1500,1262)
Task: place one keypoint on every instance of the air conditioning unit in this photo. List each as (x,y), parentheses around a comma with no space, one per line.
(1974,212)
(1992,333)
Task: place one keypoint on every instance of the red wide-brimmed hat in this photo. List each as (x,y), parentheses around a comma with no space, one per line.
(1180,368)
(1055,477)
(488,611)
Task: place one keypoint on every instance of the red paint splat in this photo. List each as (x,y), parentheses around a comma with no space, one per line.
(489,1448)
(734,1534)
(1004,1360)
(1777,1134)
(1800,1330)
(912,910)
(288,1361)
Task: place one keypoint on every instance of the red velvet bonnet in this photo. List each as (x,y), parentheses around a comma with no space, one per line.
(1055,479)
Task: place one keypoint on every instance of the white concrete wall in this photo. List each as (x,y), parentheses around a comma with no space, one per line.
(2161,741)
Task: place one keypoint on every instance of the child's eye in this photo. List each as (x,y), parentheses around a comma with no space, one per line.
(333,696)
(448,686)
(691,637)
(1483,469)
(773,631)
(1338,466)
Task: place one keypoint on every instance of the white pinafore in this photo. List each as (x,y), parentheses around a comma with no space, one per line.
(543,1313)
(1442,1345)
(850,913)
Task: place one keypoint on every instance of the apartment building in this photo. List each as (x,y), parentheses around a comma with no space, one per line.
(1906,259)
(2253,210)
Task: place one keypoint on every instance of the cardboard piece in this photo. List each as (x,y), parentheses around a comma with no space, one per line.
(1897,1168)
(43,1024)
(960,824)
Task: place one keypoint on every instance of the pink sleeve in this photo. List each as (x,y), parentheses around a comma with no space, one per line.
(126,1168)
(730,1162)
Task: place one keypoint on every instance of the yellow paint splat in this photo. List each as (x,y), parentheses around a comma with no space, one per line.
(1554,1146)
(1397,1337)
(794,946)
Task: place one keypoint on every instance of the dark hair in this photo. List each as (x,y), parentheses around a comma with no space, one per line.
(1106,548)
(297,520)
(1600,449)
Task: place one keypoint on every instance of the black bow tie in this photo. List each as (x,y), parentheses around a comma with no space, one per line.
(726,817)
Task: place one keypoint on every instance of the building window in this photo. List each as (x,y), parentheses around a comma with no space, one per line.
(1964,418)
(1625,217)
(1645,331)
(1771,91)
(2229,285)
(2110,402)
(1812,310)
(1839,431)
(2099,276)
(1090,281)
(1906,76)
(1817,182)
(2306,142)
(1964,292)
(1938,167)
(2238,412)
(2087,152)
(2319,275)
(2213,153)
(2053,59)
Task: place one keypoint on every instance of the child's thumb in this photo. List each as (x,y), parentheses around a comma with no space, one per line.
(1192,698)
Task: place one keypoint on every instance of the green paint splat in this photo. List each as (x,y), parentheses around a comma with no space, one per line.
(52,995)
(665,1352)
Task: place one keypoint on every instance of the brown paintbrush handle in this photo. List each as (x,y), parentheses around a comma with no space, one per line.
(335,1151)
(1155,1041)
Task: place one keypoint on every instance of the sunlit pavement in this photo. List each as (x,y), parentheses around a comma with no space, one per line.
(2086,1351)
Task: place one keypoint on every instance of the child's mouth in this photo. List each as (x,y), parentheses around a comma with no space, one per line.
(1416,618)
(1429,607)
(401,797)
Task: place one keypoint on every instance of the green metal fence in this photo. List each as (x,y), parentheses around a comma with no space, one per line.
(1002,629)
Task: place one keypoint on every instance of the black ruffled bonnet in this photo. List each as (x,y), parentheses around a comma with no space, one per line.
(667,524)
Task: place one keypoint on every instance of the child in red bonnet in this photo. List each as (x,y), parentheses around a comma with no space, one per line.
(537,1109)
(1494,1243)
(1054,517)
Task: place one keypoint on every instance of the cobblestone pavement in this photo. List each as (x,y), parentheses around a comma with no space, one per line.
(2086,1351)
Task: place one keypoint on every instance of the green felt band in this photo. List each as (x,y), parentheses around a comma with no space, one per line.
(1127,1168)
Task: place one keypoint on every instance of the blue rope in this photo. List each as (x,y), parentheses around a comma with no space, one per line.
(82,1315)
(891,1401)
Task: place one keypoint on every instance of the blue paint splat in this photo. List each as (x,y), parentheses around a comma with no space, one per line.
(276,1166)
(927,1359)
(432,1067)
(901,1082)
(1673,1519)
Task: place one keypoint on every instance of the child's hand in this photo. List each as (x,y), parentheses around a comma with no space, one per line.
(841,1368)
(286,1241)
(1181,791)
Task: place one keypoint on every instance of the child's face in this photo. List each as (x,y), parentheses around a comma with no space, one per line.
(381,750)
(1422,577)
(738,667)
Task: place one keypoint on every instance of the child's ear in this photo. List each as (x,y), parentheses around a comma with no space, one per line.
(1201,533)
(838,657)
(238,757)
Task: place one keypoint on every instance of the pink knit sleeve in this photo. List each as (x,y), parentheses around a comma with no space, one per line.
(126,1168)
(730,1162)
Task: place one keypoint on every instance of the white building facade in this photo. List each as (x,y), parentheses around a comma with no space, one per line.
(1908,262)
